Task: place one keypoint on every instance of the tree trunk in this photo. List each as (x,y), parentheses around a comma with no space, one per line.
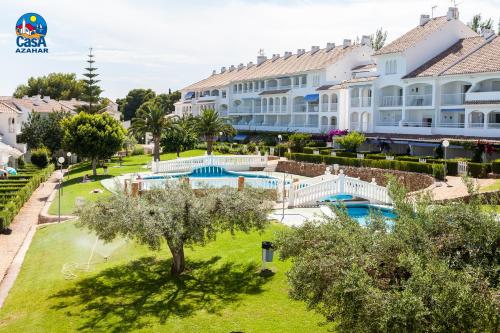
(210,142)
(94,166)
(156,149)
(178,259)
(178,150)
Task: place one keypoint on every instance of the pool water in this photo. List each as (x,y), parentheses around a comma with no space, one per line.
(337,197)
(210,172)
(361,213)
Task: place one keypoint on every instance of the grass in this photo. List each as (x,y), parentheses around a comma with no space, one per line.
(493,187)
(222,291)
(73,186)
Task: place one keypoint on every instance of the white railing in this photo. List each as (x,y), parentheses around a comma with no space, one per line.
(299,107)
(452,99)
(391,101)
(214,182)
(387,123)
(362,102)
(493,125)
(229,162)
(451,125)
(482,96)
(311,194)
(462,168)
(419,100)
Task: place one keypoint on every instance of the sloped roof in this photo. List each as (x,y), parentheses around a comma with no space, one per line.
(413,36)
(40,105)
(485,59)
(447,58)
(272,68)
(6,107)
(364,67)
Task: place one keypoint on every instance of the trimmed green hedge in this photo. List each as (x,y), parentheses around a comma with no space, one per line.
(495,166)
(479,170)
(16,190)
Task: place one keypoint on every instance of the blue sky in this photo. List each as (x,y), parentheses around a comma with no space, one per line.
(169,44)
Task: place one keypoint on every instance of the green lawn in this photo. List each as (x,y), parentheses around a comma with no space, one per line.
(73,186)
(133,290)
(493,187)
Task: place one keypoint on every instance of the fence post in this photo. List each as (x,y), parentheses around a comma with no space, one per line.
(241,183)
(135,189)
(341,181)
(291,194)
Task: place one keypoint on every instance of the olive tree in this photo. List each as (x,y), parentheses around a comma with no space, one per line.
(178,215)
(433,269)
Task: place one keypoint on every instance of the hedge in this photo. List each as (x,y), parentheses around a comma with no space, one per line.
(14,192)
(479,170)
(495,166)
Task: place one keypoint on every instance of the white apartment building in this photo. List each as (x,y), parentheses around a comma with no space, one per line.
(439,79)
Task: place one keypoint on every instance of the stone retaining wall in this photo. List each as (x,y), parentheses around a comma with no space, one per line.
(412,181)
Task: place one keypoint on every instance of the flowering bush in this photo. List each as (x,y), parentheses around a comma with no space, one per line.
(336,132)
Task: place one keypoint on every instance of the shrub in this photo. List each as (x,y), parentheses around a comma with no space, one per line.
(438,171)
(21,163)
(351,141)
(40,157)
(317,144)
(298,141)
(495,166)
(138,150)
(479,170)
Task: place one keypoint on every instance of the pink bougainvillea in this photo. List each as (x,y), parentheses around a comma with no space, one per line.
(336,132)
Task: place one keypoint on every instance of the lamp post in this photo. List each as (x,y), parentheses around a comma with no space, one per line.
(220,136)
(60,177)
(280,139)
(445,144)
(69,161)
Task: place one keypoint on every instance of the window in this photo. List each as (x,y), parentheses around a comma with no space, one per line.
(223,94)
(12,122)
(391,67)
(304,81)
(235,88)
(316,80)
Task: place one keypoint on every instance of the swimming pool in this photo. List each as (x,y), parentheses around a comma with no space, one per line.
(209,172)
(337,197)
(361,212)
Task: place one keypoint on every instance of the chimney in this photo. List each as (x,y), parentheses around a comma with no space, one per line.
(287,55)
(250,64)
(223,69)
(314,49)
(214,72)
(424,19)
(241,66)
(487,34)
(276,56)
(300,52)
(365,40)
(232,68)
(261,59)
(347,42)
(330,46)
(452,14)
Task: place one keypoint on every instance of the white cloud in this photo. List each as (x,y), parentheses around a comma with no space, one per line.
(183,41)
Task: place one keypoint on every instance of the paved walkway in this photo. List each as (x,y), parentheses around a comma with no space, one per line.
(456,188)
(23,227)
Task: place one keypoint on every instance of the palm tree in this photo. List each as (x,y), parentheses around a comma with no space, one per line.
(210,125)
(152,118)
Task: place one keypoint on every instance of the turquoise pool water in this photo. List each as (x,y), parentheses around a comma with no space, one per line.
(337,197)
(210,172)
(361,213)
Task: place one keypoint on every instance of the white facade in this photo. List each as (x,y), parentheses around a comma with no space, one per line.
(384,98)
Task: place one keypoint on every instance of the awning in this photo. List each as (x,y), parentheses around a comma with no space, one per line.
(189,95)
(452,110)
(311,98)
(424,144)
(240,137)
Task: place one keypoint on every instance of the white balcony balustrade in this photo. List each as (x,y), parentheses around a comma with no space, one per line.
(391,101)
(419,100)
(482,96)
(452,99)
(299,107)
(229,162)
(361,102)
(451,125)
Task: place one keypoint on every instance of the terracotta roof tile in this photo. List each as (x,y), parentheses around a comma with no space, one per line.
(364,67)
(281,66)
(413,36)
(5,107)
(486,59)
(447,58)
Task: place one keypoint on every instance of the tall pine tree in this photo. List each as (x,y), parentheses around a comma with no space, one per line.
(92,91)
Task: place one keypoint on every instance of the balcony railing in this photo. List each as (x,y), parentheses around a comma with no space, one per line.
(300,107)
(483,96)
(416,124)
(494,125)
(419,100)
(361,102)
(451,125)
(387,123)
(391,101)
(452,99)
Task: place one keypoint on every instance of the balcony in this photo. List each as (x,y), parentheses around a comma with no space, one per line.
(482,96)
(329,107)
(300,107)
(452,99)
(361,102)
(419,100)
(391,101)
